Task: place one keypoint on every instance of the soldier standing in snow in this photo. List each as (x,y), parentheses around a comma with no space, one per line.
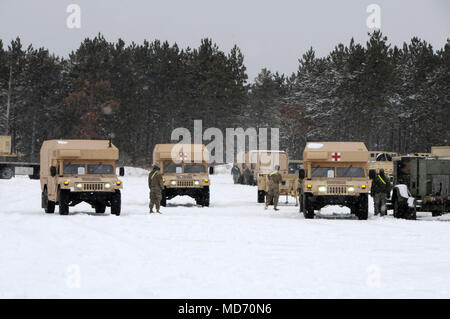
(247,175)
(155,183)
(274,188)
(235,172)
(381,188)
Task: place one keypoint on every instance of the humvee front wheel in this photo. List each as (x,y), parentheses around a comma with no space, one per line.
(100,209)
(363,207)
(116,203)
(64,198)
(261,196)
(163,202)
(48,205)
(307,209)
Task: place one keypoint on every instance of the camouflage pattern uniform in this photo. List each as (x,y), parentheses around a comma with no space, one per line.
(235,171)
(274,188)
(155,183)
(381,188)
(247,174)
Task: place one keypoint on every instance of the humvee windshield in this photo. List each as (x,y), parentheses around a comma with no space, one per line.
(294,167)
(329,172)
(194,168)
(349,172)
(171,168)
(80,169)
(100,169)
(322,171)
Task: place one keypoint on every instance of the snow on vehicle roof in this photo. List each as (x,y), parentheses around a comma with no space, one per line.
(314,145)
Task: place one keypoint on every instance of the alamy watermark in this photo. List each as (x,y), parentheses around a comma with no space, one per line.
(73,21)
(373,21)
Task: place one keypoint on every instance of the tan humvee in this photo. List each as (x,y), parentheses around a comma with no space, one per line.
(335,173)
(75,171)
(264,163)
(294,166)
(382,160)
(184,168)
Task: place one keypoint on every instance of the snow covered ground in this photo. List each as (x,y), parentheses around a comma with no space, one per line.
(232,249)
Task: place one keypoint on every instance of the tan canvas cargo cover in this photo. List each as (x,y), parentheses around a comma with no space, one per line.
(336,152)
(180,152)
(440,151)
(5,144)
(80,149)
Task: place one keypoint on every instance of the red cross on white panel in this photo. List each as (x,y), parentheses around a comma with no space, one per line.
(336,157)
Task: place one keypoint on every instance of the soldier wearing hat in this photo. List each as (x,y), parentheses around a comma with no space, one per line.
(155,183)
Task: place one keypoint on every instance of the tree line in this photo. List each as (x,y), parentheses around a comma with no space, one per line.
(391,98)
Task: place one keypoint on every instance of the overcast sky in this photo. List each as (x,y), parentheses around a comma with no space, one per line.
(272,34)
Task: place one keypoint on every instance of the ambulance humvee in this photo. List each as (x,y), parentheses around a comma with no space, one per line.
(184,168)
(75,171)
(335,173)
(264,163)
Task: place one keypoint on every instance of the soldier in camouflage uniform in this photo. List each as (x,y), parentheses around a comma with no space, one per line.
(274,188)
(155,183)
(247,175)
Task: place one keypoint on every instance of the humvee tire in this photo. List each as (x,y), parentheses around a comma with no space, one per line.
(116,203)
(363,207)
(100,208)
(261,196)
(307,210)
(163,199)
(206,197)
(49,206)
(64,198)
(6,173)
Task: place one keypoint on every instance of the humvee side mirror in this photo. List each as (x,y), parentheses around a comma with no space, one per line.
(52,171)
(122,171)
(211,170)
(301,173)
(372,173)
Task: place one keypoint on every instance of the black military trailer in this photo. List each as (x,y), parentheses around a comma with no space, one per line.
(421,184)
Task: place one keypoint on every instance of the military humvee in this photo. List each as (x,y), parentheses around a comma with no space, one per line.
(294,166)
(75,171)
(184,168)
(264,162)
(335,173)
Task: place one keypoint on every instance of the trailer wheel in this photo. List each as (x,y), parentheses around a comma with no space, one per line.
(64,198)
(116,203)
(47,205)
(6,173)
(436,213)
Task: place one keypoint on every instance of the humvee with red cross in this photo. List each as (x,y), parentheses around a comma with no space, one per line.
(335,173)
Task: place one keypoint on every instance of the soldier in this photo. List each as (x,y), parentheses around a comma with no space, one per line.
(235,172)
(274,188)
(247,175)
(381,188)
(155,183)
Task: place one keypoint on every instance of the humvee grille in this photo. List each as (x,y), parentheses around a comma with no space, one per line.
(92,187)
(336,189)
(185,183)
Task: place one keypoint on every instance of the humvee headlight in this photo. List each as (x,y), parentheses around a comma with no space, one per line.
(206,180)
(309,186)
(118,182)
(66,183)
(196,183)
(107,185)
(350,189)
(173,183)
(322,189)
(79,186)
(363,186)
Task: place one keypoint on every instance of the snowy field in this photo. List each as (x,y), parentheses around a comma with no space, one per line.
(232,249)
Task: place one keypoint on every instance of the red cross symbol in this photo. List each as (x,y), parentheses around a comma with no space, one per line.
(336,157)
(183,156)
